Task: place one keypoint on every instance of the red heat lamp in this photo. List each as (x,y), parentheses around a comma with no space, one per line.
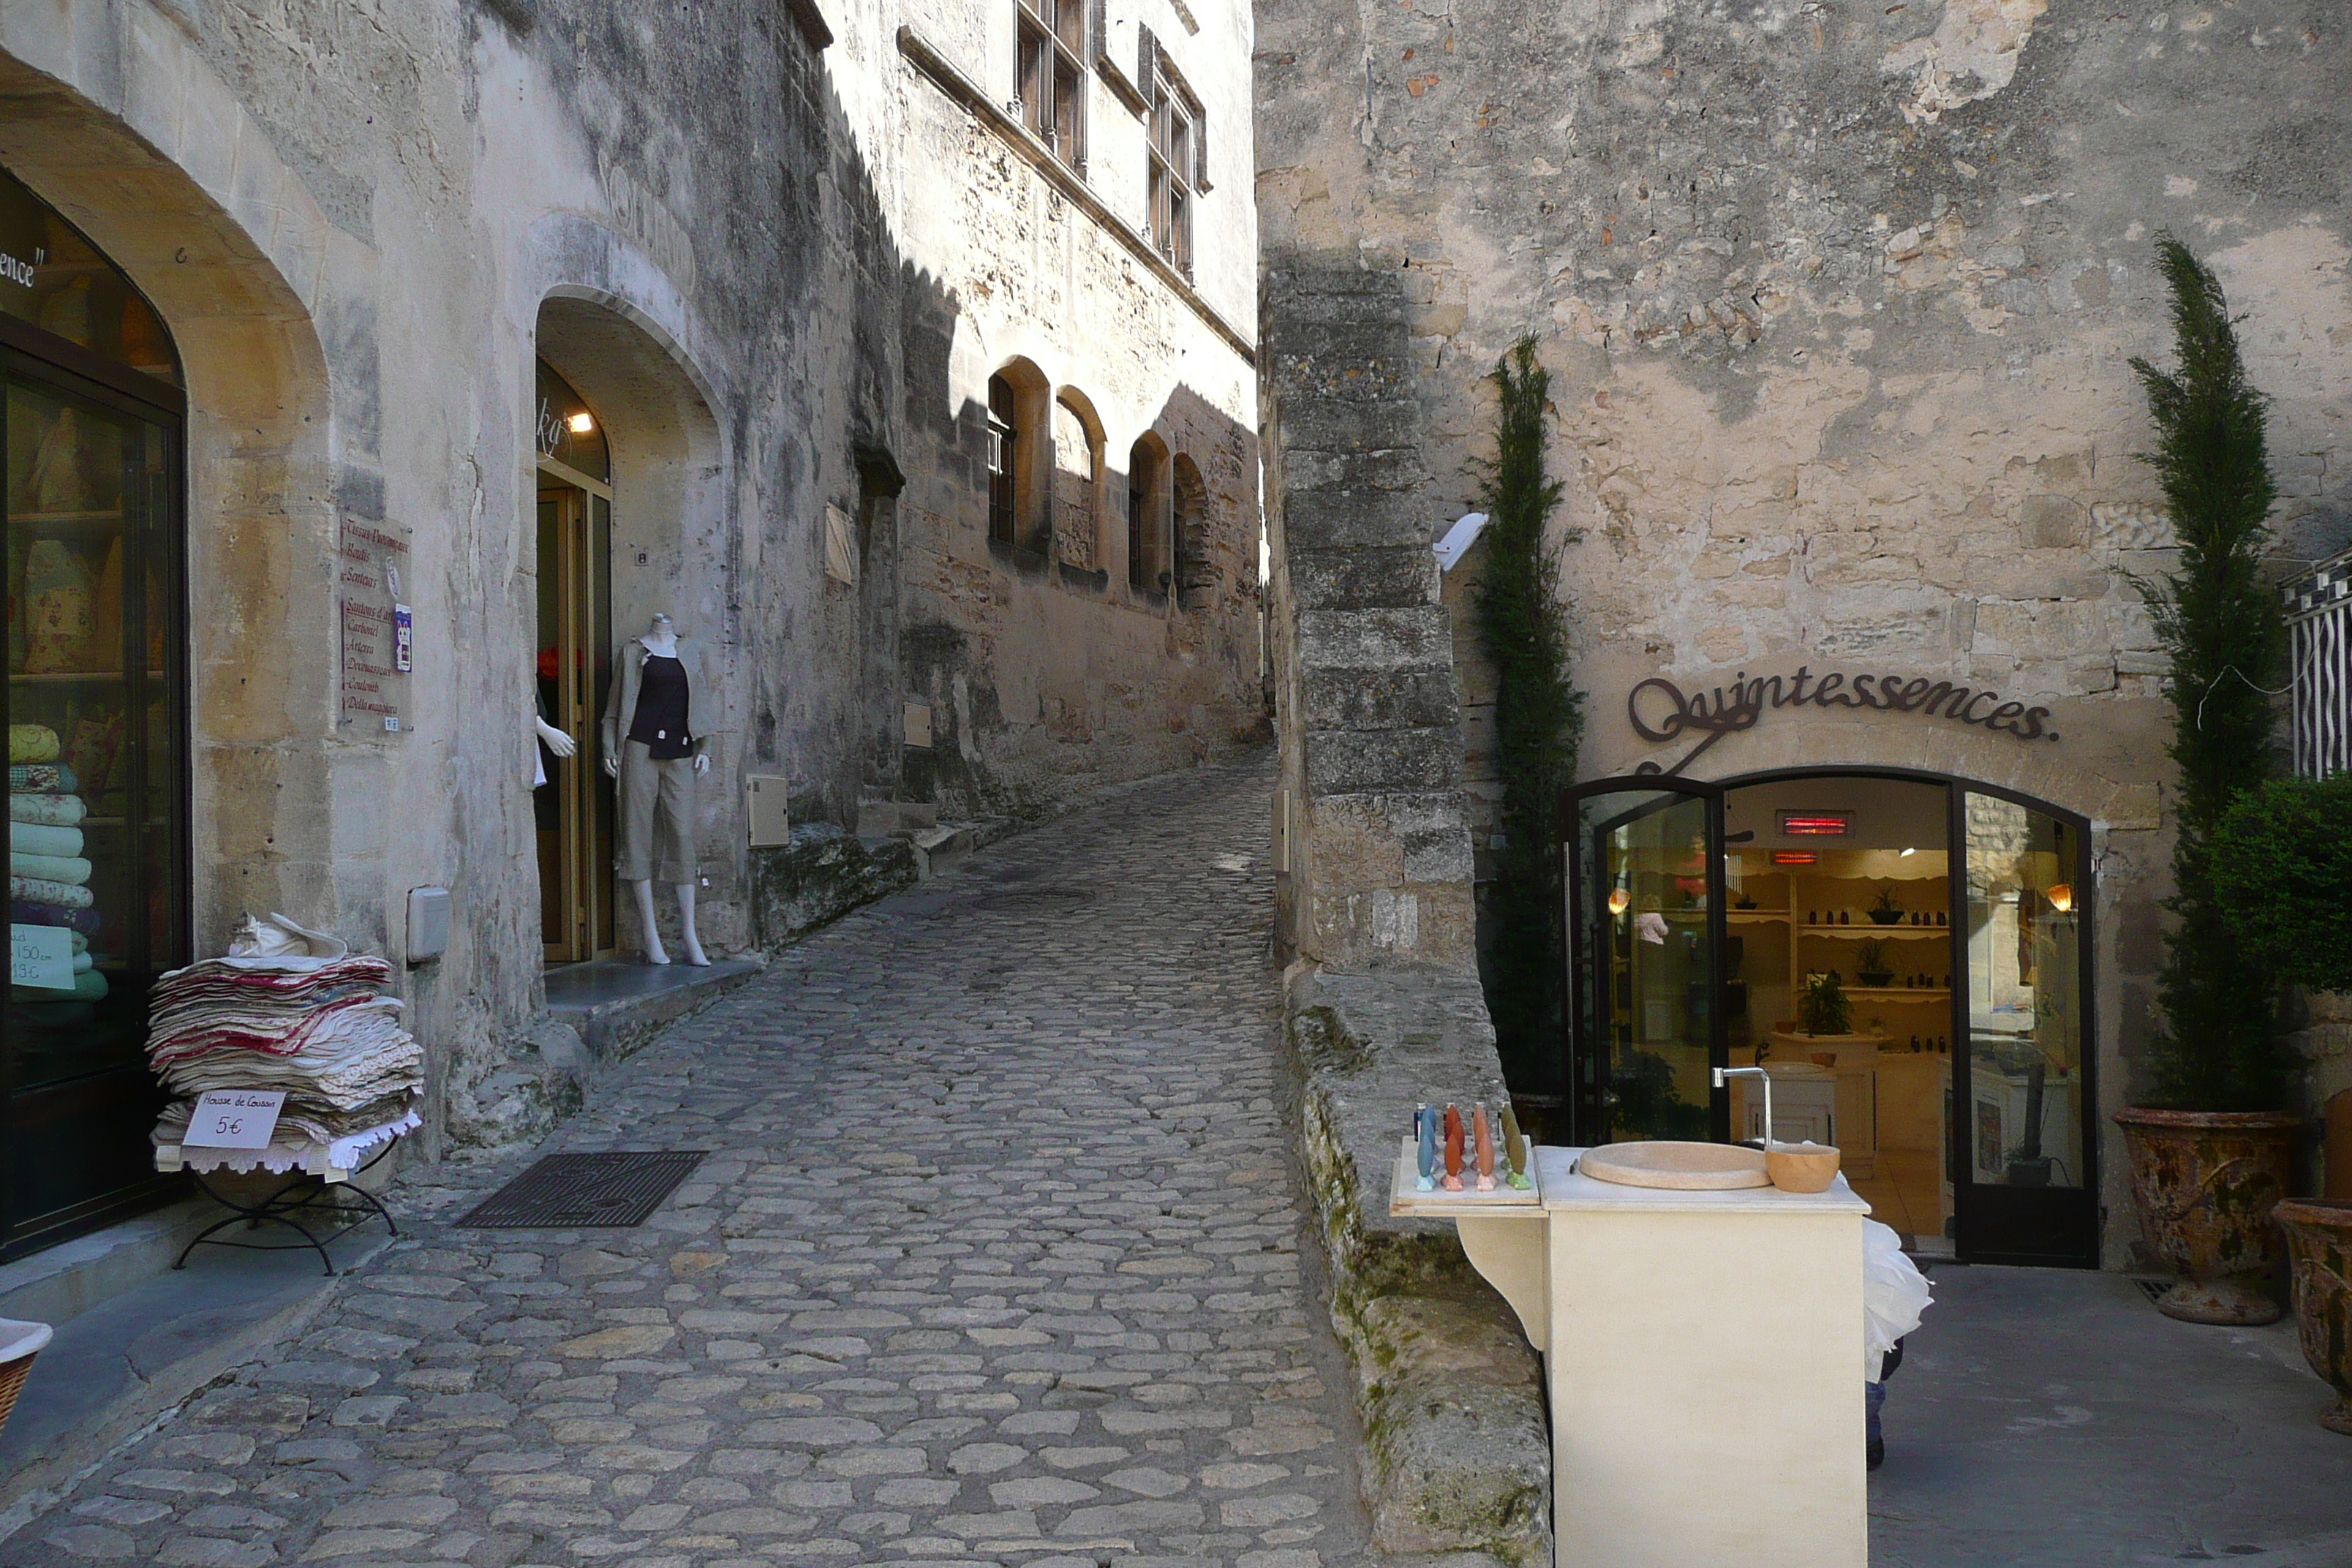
(1816,823)
(1793,857)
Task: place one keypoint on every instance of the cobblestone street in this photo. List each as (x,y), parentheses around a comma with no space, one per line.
(994,1259)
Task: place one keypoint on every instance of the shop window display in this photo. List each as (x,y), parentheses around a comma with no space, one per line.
(97,879)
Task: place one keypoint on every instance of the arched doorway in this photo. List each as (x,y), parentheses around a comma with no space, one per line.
(1908,954)
(572,800)
(92,425)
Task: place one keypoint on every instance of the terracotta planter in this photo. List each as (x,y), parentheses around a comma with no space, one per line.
(2205,1182)
(2319,1250)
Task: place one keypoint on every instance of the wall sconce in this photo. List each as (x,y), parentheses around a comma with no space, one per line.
(2061,896)
(1619,900)
(581,423)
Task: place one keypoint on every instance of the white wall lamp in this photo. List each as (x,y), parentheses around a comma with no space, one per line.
(1459,539)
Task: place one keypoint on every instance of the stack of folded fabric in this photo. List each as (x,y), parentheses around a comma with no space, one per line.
(289,1009)
(48,875)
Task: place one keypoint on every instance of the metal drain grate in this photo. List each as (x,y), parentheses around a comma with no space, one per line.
(2152,1289)
(577,1190)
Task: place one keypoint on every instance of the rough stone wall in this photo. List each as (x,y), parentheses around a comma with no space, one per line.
(1838,302)
(1046,673)
(779,273)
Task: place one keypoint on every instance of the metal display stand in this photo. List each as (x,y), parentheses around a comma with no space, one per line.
(318,1188)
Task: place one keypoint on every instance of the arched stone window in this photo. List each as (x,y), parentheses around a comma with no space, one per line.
(1019,500)
(1189,533)
(1147,515)
(1078,479)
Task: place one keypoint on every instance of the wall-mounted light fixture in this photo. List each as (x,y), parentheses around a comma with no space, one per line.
(2062,897)
(1793,857)
(1619,900)
(581,423)
(1816,823)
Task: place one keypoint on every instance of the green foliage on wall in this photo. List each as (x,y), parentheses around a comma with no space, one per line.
(1538,719)
(2282,864)
(2218,623)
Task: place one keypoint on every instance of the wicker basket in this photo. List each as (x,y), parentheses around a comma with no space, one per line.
(19,1343)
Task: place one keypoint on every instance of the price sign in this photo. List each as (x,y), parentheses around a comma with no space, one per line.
(41,955)
(234,1118)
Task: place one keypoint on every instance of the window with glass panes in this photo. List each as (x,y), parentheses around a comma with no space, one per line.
(1003,496)
(1053,75)
(1179,152)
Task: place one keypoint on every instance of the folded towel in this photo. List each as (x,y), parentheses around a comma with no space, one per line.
(40,839)
(46,778)
(32,743)
(70,869)
(89,985)
(41,890)
(25,912)
(58,810)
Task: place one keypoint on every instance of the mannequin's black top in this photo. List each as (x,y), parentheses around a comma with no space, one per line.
(660,717)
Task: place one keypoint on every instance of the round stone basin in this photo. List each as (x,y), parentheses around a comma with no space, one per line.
(1680,1167)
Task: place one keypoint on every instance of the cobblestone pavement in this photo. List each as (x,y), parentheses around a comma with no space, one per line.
(994,1259)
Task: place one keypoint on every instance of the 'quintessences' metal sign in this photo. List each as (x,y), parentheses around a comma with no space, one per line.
(1660,711)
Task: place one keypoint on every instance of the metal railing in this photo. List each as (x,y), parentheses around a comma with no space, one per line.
(2319,640)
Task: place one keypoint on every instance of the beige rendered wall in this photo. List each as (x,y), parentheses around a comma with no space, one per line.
(1838,304)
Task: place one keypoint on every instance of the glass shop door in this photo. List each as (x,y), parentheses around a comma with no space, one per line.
(1646,923)
(97,795)
(2023,1153)
(573,806)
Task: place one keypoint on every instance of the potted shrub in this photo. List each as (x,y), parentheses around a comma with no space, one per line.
(1885,910)
(1824,1008)
(2209,1141)
(1870,963)
(2283,868)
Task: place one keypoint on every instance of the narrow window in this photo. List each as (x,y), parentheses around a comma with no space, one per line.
(1004,443)
(1178,145)
(1142,495)
(1052,75)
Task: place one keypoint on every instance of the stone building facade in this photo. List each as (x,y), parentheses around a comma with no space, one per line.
(732,282)
(1838,304)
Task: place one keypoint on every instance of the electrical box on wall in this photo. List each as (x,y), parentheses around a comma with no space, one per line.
(428,924)
(771,824)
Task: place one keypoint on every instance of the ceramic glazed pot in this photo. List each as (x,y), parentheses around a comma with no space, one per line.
(2319,1251)
(2205,1182)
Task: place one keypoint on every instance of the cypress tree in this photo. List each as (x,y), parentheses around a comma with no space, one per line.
(2218,623)
(1538,719)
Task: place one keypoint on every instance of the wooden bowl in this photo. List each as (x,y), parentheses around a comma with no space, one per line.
(1802,1167)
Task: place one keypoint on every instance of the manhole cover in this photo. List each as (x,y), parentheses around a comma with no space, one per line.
(579,1191)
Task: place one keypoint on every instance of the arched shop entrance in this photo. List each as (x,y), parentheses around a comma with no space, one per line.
(91,424)
(1956,917)
(571,798)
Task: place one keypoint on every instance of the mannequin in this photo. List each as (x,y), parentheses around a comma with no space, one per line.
(657,719)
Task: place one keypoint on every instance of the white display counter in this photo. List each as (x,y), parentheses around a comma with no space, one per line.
(1704,1357)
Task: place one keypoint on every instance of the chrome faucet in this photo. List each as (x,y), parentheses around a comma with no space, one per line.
(1724,1075)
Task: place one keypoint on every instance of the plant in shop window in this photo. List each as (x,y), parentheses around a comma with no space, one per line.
(2208,1141)
(1885,911)
(1871,964)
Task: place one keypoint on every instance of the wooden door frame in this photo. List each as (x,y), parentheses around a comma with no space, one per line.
(575,777)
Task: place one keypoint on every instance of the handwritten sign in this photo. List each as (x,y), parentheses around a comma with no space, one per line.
(41,955)
(1660,711)
(234,1118)
(378,632)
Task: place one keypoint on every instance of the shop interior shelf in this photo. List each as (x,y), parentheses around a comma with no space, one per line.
(1876,931)
(60,677)
(1899,992)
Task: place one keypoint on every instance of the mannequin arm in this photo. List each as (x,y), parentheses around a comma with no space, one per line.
(701,755)
(562,745)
